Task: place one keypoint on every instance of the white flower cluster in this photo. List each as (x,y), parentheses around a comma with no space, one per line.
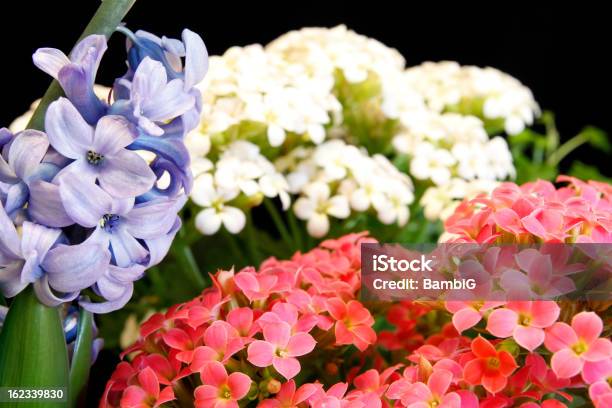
(241,171)
(334,177)
(449,145)
(453,152)
(445,84)
(439,202)
(250,84)
(286,94)
(323,50)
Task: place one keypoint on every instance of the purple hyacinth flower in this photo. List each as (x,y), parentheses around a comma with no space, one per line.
(38,255)
(77,73)
(116,286)
(98,154)
(26,168)
(186,60)
(5,137)
(23,171)
(170,53)
(153,99)
(119,223)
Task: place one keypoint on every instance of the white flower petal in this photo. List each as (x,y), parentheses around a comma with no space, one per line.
(208,221)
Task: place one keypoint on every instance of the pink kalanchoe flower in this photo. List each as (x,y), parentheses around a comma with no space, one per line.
(241,319)
(184,341)
(221,341)
(312,306)
(289,396)
(373,381)
(335,397)
(255,286)
(288,313)
(578,346)
(598,370)
(533,212)
(147,393)
(280,349)
(432,394)
(538,277)
(168,371)
(467,314)
(221,390)
(524,321)
(601,394)
(353,323)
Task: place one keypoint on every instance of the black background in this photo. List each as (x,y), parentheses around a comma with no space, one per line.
(562,55)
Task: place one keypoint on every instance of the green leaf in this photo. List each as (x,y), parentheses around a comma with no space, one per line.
(81,359)
(33,350)
(586,172)
(597,138)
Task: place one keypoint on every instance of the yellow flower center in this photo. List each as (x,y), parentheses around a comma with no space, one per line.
(580,347)
(493,362)
(524,319)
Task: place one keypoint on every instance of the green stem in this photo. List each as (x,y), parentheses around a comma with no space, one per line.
(279,223)
(33,351)
(295,231)
(552,134)
(234,248)
(566,148)
(105,21)
(81,359)
(187,263)
(252,240)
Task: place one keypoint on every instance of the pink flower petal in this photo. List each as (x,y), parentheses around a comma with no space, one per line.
(205,396)
(260,353)
(239,385)
(241,319)
(216,336)
(508,220)
(494,382)
(303,393)
(529,338)
(277,333)
(540,271)
(565,363)
(439,381)
(148,381)
(214,374)
(465,318)
(300,344)
(451,400)
(177,339)
(201,356)
(133,396)
(288,367)
(600,349)
(544,313)
(595,371)
(502,322)
(336,308)
(587,325)
(417,392)
(559,336)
